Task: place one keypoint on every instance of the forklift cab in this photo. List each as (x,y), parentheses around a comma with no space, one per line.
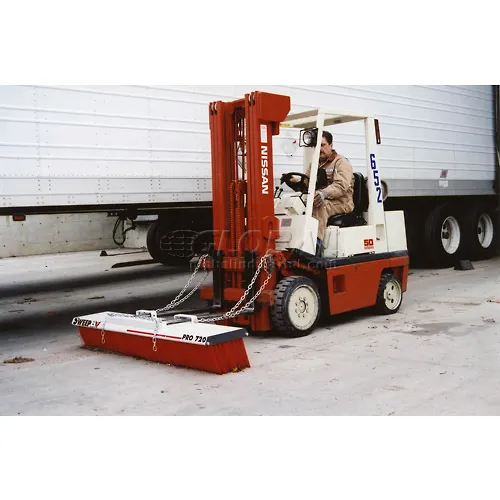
(366,230)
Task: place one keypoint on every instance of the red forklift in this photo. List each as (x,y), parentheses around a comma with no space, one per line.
(264,247)
(267,273)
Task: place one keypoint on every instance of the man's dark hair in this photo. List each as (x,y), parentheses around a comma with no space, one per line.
(328,137)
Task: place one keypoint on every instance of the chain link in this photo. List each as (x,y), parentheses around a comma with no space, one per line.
(234,312)
(103,332)
(178,299)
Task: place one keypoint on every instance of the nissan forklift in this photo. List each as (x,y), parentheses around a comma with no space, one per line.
(267,275)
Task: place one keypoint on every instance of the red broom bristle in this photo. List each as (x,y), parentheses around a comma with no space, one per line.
(221,358)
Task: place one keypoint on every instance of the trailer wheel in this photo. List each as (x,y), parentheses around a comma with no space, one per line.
(175,246)
(442,236)
(389,295)
(153,249)
(154,239)
(297,306)
(183,234)
(480,232)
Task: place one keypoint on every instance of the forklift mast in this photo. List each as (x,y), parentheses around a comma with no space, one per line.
(243,173)
(244,226)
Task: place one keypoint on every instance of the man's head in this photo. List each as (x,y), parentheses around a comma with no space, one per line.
(326,145)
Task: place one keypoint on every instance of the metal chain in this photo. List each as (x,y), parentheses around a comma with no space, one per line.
(157,326)
(103,332)
(234,312)
(178,299)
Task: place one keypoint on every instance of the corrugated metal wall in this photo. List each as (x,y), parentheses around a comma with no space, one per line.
(105,145)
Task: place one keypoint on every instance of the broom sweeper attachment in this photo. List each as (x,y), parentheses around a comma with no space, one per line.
(189,340)
(182,340)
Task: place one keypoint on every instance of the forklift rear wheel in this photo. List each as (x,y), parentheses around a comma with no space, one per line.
(297,306)
(390,294)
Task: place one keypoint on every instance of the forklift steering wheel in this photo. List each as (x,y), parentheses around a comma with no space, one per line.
(300,186)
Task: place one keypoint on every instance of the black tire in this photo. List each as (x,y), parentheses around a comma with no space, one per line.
(480,232)
(179,235)
(152,247)
(175,246)
(443,224)
(389,295)
(154,238)
(414,226)
(202,242)
(281,319)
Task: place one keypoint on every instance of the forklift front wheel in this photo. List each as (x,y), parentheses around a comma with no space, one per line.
(297,306)
(390,294)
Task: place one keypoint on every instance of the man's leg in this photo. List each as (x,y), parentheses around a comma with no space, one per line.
(321,214)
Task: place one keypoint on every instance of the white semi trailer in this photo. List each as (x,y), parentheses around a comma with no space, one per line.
(139,150)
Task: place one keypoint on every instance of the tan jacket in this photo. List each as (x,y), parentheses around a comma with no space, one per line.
(339,172)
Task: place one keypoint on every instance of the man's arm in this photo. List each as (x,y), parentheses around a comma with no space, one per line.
(342,179)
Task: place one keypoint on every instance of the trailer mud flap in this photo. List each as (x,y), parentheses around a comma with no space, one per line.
(180,341)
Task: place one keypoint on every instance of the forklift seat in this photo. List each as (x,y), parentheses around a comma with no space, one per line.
(360,198)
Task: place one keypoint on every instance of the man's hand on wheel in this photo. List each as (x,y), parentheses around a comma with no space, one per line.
(292,179)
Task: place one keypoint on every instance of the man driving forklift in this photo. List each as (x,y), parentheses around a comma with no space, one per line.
(335,193)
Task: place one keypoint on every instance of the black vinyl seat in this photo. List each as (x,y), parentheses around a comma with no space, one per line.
(360,198)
